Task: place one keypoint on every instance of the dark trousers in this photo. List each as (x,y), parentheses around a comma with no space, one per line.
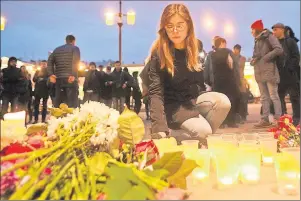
(128,101)
(146,103)
(243,105)
(37,102)
(294,92)
(66,93)
(9,98)
(138,104)
(91,96)
(231,117)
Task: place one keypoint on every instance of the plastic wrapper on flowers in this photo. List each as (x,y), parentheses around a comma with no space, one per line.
(287,134)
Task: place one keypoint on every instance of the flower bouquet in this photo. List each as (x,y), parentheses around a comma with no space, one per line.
(91,152)
(287,134)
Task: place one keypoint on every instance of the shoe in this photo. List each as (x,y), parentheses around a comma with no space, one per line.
(35,122)
(263,124)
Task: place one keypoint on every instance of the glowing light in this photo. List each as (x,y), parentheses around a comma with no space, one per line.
(81,67)
(228,29)
(3,22)
(131,17)
(110,17)
(208,23)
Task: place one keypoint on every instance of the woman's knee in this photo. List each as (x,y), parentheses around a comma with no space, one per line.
(221,100)
(197,127)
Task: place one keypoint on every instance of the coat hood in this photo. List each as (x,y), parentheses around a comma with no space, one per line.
(264,34)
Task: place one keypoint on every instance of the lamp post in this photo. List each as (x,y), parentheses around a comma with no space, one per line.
(110,18)
(3,22)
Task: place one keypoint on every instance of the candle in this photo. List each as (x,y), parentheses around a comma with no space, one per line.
(288,174)
(199,175)
(16,119)
(268,150)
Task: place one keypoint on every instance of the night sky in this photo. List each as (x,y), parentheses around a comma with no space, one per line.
(33,28)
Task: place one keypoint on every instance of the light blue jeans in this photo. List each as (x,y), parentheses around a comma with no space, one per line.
(214,108)
(268,92)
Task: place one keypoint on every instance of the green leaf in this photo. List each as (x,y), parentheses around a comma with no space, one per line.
(131,127)
(170,161)
(179,178)
(159,173)
(98,162)
(123,184)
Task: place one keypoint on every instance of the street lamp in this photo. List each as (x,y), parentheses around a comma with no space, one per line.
(110,18)
(3,22)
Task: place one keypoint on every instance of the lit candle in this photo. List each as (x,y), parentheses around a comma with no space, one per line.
(268,150)
(199,175)
(267,160)
(226,180)
(249,174)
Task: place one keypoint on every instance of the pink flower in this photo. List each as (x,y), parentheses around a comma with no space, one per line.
(172,194)
(9,180)
(101,196)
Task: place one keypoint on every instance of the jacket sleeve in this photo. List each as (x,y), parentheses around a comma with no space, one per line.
(50,64)
(76,61)
(207,71)
(156,93)
(293,61)
(276,49)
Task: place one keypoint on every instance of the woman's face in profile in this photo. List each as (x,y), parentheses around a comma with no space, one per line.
(176,29)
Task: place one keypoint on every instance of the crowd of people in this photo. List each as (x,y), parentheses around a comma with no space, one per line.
(179,90)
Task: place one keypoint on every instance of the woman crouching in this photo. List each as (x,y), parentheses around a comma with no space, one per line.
(177,91)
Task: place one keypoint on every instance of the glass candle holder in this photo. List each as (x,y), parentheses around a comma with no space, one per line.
(288,174)
(268,150)
(249,164)
(250,136)
(191,144)
(165,145)
(227,168)
(202,159)
(293,151)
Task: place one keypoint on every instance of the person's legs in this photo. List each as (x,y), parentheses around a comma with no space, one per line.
(197,127)
(214,107)
(265,100)
(282,89)
(147,109)
(72,96)
(121,106)
(5,103)
(44,110)
(294,92)
(138,103)
(273,91)
(29,108)
(14,103)
(58,94)
(231,117)
(95,97)
(115,103)
(36,108)
(128,101)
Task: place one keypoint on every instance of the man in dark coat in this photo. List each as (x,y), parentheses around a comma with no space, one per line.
(41,91)
(120,80)
(128,91)
(92,84)
(106,93)
(11,78)
(288,65)
(62,68)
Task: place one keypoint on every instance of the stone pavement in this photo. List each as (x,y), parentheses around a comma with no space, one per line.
(248,126)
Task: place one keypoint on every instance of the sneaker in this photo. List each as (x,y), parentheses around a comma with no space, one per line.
(262,124)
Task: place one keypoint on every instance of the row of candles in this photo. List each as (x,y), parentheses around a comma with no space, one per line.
(238,157)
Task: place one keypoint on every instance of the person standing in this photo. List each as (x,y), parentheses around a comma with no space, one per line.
(41,92)
(266,49)
(128,91)
(120,81)
(10,79)
(63,71)
(226,78)
(92,84)
(288,65)
(243,103)
(106,94)
(137,95)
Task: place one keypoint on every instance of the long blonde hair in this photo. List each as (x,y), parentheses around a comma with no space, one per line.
(163,46)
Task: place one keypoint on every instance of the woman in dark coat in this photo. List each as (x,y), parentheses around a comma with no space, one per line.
(177,92)
(226,78)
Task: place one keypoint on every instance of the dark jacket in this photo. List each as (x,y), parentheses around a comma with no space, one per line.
(92,81)
(208,73)
(266,49)
(64,61)
(11,79)
(106,92)
(173,98)
(120,78)
(40,79)
(25,89)
(288,63)
(226,80)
